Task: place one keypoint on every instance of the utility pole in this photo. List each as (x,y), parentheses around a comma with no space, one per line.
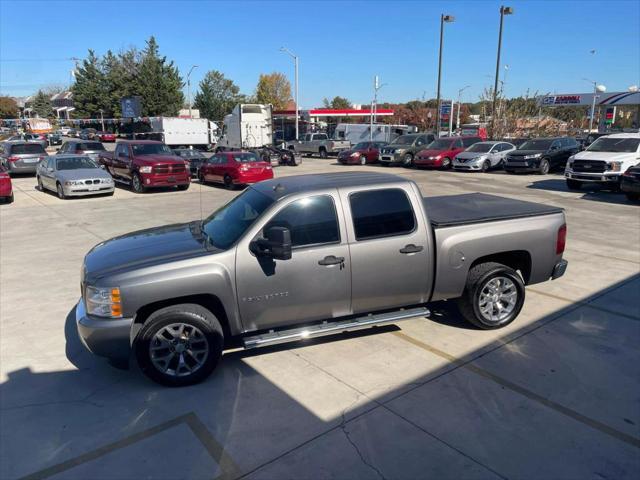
(189,88)
(102,119)
(503,11)
(374,106)
(443,19)
(295,61)
(459,105)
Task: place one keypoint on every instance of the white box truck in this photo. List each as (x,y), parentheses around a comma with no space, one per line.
(250,127)
(360,132)
(182,132)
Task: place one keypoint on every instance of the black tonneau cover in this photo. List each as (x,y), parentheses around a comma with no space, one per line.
(451,210)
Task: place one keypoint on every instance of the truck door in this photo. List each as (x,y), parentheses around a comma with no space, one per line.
(390,257)
(314,284)
(121,161)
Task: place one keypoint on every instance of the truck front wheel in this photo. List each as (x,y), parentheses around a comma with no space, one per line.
(136,184)
(493,296)
(179,345)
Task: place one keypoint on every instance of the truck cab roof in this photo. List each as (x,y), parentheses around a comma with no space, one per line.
(282,187)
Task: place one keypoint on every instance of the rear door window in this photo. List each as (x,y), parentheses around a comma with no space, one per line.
(381,213)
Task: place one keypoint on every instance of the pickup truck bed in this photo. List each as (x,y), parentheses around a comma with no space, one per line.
(469,208)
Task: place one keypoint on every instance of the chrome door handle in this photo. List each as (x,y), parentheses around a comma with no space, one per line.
(411,248)
(331,260)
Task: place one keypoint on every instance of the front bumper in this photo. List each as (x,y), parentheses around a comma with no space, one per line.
(426,162)
(391,158)
(85,190)
(522,166)
(467,166)
(593,177)
(162,180)
(110,338)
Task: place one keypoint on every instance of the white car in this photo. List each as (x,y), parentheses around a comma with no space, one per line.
(604,161)
(483,156)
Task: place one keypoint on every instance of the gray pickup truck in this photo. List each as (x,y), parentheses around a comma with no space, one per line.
(319,144)
(305,256)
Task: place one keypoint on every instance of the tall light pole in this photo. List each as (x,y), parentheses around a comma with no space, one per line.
(189,88)
(596,88)
(443,19)
(503,11)
(295,61)
(102,118)
(459,105)
(374,106)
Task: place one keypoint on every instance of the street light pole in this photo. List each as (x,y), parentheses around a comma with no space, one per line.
(448,19)
(503,11)
(295,61)
(102,119)
(459,104)
(189,88)
(374,106)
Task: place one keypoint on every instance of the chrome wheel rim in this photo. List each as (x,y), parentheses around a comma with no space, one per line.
(136,183)
(60,191)
(497,299)
(408,159)
(363,160)
(178,349)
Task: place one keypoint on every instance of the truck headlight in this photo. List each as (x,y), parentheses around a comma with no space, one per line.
(615,166)
(145,169)
(103,302)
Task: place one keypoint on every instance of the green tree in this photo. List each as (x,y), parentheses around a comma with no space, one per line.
(8,107)
(338,103)
(41,104)
(89,89)
(274,88)
(217,96)
(159,83)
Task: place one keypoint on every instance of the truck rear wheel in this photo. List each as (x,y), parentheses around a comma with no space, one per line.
(323,153)
(179,345)
(493,296)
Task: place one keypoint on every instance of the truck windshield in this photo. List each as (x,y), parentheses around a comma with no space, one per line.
(151,149)
(404,140)
(225,226)
(618,145)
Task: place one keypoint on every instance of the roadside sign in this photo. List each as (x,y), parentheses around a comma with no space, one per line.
(131,107)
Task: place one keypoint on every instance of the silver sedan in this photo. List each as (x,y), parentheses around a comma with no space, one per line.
(73,176)
(483,156)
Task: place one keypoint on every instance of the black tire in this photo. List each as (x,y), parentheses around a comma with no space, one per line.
(477,279)
(137,185)
(446,163)
(633,197)
(40,185)
(60,191)
(228,182)
(323,153)
(486,166)
(573,184)
(184,187)
(201,178)
(10,198)
(407,160)
(189,315)
(543,169)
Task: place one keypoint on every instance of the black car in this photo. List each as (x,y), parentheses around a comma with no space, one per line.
(541,155)
(195,158)
(630,183)
(54,138)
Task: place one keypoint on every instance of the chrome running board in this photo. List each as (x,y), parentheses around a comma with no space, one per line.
(329,328)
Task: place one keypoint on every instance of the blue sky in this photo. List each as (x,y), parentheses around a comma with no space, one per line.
(341,45)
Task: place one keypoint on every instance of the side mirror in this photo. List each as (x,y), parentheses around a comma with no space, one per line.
(275,244)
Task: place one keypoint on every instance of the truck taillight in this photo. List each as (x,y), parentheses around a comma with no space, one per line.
(13,159)
(561,240)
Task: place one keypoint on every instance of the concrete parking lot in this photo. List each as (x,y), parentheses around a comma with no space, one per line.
(554,395)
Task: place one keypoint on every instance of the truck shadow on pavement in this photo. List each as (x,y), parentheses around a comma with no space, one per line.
(554,397)
(589,192)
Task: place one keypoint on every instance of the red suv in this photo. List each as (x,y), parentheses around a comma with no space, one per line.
(441,152)
(235,168)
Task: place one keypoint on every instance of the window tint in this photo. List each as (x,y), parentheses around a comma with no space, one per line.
(311,221)
(321,136)
(26,148)
(458,144)
(381,213)
(467,142)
